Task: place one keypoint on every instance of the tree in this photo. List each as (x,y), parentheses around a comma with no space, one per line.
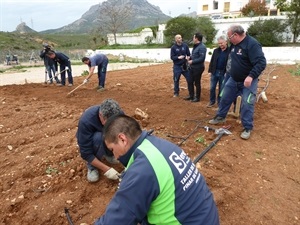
(183,25)
(255,8)
(293,13)
(115,16)
(267,32)
(207,28)
(188,26)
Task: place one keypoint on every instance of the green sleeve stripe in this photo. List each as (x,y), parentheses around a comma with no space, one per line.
(162,209)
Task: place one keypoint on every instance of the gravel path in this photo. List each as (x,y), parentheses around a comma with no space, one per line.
(37,74)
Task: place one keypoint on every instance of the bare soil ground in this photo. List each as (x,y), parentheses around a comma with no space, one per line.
(41,173)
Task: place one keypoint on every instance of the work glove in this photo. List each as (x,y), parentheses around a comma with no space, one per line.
(85,81)
(112,174)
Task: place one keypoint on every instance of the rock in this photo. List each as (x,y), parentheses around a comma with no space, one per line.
(10,147)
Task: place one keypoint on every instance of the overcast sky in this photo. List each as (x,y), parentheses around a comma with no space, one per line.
(51,14)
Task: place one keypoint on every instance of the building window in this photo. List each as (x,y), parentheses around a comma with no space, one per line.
(226,6)
(205,8)
(215,5)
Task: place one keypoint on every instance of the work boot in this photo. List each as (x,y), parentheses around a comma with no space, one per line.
(70,85)
(217,120)
(111,159)
(175,95)
(92,175)
(246,134)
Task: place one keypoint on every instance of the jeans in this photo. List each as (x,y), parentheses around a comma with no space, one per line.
(216,78)
(231,90)
(102,73)
(51,69)
(99,148)
(177,71)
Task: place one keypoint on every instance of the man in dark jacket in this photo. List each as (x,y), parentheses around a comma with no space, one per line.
(217,69)
(180,52)
(160,185)
(90,142)
(64,65)
(196,63)
(247,63)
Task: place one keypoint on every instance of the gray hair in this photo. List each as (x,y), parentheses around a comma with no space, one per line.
(222,37)
(237,29)
(109,107)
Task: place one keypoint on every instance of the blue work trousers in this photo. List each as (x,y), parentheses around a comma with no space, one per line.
(99,149)
(177,71)
(63,74)
(102,68)
(216,78)
(231,90)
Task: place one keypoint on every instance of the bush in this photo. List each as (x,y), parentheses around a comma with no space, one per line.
(268,32)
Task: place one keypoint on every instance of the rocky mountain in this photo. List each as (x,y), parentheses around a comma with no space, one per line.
(143,14)
(22,28)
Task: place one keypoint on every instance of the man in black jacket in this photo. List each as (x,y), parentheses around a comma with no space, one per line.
(217,69)
(196,63)
(247,63)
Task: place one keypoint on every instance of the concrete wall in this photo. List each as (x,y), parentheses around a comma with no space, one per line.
(280,55)
(138,38)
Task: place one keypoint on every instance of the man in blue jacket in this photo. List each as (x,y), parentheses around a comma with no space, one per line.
(64,65)
(160,185)
(180,53)
(89,138)
(101,61)
(247,63)
(196,63)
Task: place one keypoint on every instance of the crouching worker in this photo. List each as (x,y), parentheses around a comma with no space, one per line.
(160,185)
(90,142)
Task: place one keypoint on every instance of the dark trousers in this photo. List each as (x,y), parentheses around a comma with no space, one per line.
(102,68)
(177,71)
(63,74)
(195,79)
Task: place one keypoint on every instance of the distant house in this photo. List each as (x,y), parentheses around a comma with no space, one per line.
(229,8)
(142,37)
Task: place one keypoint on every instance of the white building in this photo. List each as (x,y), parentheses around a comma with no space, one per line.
(228,8)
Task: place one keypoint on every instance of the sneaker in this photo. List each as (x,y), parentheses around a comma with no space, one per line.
(111,159)
(92,175)
(210,105)
(195,100)
(100,88)
(189,98)
(70,85)
(217,120)
(60,85)
(175,95)
(245,134)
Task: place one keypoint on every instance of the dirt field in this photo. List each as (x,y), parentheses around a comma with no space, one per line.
(41,173)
